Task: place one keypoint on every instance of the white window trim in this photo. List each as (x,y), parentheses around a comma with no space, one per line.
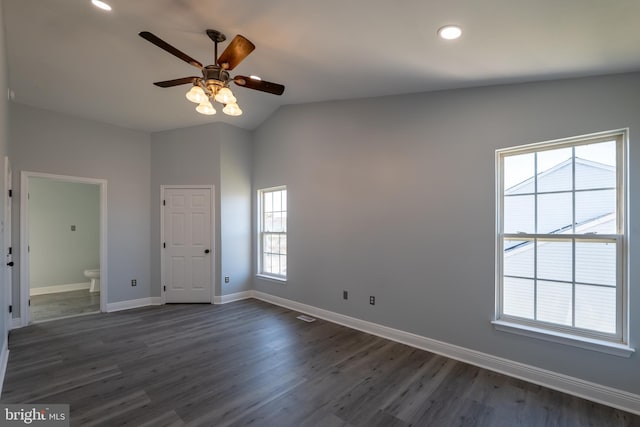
(559,334)
(579,341)
(272,277)
(259,273)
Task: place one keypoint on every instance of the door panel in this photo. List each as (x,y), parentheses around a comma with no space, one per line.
(187,237)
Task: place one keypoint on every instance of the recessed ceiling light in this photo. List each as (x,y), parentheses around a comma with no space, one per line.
(102,5)
(450,32)
(254,77)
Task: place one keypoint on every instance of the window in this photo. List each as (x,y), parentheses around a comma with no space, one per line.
(272,259)
(561,236)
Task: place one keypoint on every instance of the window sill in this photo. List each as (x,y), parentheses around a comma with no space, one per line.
(602,346)
(272,278)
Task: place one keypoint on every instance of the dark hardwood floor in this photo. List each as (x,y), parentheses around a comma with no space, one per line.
(250,363)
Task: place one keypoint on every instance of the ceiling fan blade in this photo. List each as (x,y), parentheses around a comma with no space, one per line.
(177,82)
(167,47)
(239,48)
(261,85)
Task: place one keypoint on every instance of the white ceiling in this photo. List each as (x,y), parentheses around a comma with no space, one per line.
(68,56)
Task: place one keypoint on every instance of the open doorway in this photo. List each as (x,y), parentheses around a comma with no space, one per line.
(62,246)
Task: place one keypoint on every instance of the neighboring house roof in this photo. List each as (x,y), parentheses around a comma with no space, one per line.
(605,172)
(594,225)
(599,218)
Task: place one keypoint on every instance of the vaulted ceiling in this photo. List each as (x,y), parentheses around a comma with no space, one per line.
(68,56)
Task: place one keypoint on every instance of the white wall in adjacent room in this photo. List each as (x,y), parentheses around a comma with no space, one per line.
(64,231)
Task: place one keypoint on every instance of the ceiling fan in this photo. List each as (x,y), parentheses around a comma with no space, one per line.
(214,83)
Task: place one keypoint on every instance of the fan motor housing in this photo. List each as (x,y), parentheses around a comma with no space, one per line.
(214,74)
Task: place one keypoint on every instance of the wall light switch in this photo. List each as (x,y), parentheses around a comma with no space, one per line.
(73,228)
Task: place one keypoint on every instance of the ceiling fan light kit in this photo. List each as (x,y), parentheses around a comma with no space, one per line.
(232,109)
(225,96)
(206,108)
(196,94)
(214,83)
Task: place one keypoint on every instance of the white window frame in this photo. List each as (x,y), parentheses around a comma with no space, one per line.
(261,232)
(616,343)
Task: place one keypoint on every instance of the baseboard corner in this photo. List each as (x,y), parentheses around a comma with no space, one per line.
(59,288)
(134,303)
(16,322)
(237,296)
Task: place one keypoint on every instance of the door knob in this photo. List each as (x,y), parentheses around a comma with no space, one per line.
(10,263)
(206,251)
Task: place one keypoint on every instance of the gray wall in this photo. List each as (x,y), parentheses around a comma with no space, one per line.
(4,143)
(49,142)
(58,254)
(216,154)
(236,198)
(394,197)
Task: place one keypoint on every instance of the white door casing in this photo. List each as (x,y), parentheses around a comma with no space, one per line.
(6,225)
(187,244)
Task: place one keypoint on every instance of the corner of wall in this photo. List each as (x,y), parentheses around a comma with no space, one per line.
(4,144)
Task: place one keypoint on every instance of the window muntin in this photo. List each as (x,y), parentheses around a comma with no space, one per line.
(272,257)
(561,236)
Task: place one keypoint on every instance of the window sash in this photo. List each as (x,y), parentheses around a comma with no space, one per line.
(576,238)
(262,233)
(618,238)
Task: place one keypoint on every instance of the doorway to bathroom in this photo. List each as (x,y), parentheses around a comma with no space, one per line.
(63,246)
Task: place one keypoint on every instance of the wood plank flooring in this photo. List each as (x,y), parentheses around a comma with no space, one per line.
(250,363)
(64,304)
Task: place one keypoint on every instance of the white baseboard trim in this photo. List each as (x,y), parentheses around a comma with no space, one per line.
(224,299)
(59,288)
(134,303)
(620,399)
(4,359)
(16,322)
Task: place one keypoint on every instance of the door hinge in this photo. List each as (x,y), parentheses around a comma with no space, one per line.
(29,303)
(10,193)
(164,288)
(9,250)
(164,203)
(164,245)
(10,309)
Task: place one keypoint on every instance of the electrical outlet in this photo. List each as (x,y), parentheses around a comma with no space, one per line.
(372,300)
(134,282)
(226,279)
(345,295)
(73,228)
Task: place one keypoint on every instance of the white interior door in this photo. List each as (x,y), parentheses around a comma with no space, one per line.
(6,228)
(188,251)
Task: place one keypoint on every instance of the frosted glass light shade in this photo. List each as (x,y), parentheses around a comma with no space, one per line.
(232,109)
(100,4)
(206,108)
(196,95)
(225,96)
(450,32)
